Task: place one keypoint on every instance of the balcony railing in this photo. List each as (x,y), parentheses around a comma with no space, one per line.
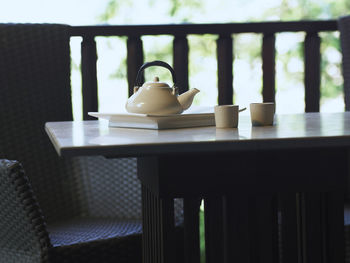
(224,33)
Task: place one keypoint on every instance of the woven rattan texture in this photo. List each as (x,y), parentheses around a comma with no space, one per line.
(22,228)
(87,230)
(114,190)
(104,240)
(109,250)
(35,88)
(344,29)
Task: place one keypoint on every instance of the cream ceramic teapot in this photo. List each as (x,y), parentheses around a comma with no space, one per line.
(158,98)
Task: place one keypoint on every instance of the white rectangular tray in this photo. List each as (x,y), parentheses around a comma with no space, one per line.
(156,122)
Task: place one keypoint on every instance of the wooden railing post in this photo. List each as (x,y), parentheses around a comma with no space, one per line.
(134,60)
(180,62)
(268,67)
(225,75)
(312,77)
(89,76)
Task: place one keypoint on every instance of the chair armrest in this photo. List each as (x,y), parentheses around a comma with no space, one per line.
(22,226)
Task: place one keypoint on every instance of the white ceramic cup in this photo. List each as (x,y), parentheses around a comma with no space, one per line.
(226,116)
(262,114)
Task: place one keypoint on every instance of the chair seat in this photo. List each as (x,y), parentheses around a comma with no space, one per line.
(96,240)
(81,230)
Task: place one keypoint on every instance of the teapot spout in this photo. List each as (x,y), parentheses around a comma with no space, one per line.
(186,98)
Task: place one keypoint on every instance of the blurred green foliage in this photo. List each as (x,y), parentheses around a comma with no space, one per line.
(286,10)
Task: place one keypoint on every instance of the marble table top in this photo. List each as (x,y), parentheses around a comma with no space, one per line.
(306,130)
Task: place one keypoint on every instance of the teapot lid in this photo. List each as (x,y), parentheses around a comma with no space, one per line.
(156,83)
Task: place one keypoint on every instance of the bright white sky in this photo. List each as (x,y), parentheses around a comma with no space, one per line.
(85,12)
(73,12)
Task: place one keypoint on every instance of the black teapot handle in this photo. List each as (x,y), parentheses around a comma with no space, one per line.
(138,82)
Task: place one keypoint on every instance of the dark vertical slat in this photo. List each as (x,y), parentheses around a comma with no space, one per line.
(145,225)
(225,75)
(312,227)
(153,209)
(213,221)
(134,60)
(334,203)
(158,228)
(312,76)
(191,227)
(167,229)
(180,62)
(268,67)
(89,76)
(266,240)
(335,222)
(290,236)
(238,229)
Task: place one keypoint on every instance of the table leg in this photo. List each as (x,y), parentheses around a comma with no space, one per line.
(266,228)
(290,225)
(238,229)
(213,221)
(313,227)
(335,225)
(191,230)
(323,227)
(158,228)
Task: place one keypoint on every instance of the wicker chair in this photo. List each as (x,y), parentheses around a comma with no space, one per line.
(25,236)
(87,209)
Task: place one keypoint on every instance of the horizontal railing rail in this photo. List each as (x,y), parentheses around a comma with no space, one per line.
(225,33)
(187,29)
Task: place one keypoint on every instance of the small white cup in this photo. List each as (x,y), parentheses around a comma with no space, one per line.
(262,114)
(226,116)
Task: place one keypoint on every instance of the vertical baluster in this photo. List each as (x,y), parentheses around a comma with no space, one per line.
(180,61)
(268,67)
(89,76)
(134,60)
(225,75)
(312,76)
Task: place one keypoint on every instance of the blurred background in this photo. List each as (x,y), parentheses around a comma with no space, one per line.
(111,67)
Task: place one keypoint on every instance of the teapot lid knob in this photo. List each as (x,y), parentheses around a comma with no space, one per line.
(156,79)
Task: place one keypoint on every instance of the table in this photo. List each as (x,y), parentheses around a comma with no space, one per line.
(265,188)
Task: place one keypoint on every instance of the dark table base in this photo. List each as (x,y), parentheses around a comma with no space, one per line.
(262,206)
